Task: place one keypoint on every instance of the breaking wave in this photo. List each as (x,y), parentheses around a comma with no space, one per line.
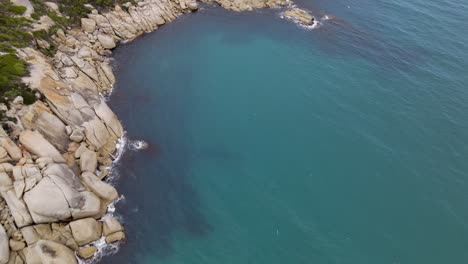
(103,248)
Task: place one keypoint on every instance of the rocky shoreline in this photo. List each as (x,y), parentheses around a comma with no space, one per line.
(55,157)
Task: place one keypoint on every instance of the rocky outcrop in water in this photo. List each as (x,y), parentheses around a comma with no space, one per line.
(53,200)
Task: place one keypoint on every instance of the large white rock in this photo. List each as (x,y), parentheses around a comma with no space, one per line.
(49,252)
(106,41)
(100,188)
(88,161)
(88,25)
(52,6)
(193,6)
(47,203)
(86,230)
(64,172)
(4,248)
(35,143)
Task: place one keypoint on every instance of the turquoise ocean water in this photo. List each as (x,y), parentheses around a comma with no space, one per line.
(270,143)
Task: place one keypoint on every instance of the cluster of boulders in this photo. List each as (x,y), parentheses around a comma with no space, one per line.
(249,5)
(292,12)
(299,16)
(55,157)
(49,205)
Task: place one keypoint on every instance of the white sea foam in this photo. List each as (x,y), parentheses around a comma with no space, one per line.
(120,149)
(138,144)
(103,248)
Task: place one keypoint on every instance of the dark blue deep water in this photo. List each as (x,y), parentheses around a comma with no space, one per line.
(272,144)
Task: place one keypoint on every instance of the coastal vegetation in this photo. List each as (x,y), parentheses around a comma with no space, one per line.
(13,34)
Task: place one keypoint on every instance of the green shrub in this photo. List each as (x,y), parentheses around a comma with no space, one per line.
(4,47)
(23,91)
(18,10)
(11,70)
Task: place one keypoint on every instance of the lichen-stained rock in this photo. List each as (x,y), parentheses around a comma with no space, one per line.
(35,143)
(49,252)
(17,208)
(86,230)
(100,188)
(88,25)
(47,203)
(4,248)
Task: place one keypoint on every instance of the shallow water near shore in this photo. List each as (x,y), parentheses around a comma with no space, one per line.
(269,143)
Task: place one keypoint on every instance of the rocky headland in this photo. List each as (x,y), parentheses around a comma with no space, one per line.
(55,153)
